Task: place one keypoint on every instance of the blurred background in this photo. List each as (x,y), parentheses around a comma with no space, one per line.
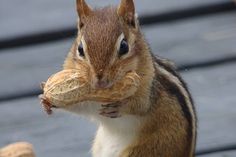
(35,36)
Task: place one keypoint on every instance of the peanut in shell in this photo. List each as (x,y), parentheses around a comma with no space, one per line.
(71,86)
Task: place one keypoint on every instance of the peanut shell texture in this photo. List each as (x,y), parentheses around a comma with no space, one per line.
(20,149)
(71,86)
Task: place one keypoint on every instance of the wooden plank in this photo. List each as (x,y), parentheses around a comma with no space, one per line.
(23,69)
(61,134)
(221,154)
(64,134)
(198,40)
(214,94)
(29,17)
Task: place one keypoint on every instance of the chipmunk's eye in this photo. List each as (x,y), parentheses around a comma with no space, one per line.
(124,48)
(81,50)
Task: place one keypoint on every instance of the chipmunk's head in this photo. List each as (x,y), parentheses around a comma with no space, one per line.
(107,45)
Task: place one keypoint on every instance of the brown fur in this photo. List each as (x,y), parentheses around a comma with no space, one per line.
(167,131)
(127,11)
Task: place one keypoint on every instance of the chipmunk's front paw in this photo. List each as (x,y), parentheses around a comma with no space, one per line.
(45,104)
(111,110)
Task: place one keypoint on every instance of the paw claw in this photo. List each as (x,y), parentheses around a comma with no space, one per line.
(114,105)
(45,104)
(110,110)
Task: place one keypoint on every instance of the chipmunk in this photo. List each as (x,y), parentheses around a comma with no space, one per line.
(159,120)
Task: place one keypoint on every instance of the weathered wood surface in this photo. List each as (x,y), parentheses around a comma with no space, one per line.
(214,91)
(64,134)
(59,135)
(24,68)
(25,17)
(195,40)
(221,154)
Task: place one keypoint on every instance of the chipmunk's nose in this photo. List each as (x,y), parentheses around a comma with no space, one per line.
(101,81)
(99,76)
(102,84)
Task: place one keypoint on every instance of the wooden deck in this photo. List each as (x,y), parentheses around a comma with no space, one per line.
(204,49)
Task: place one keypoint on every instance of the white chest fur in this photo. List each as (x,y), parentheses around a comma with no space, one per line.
(114,135)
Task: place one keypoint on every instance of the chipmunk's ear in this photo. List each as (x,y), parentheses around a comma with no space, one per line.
(83,11)
(126,10)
